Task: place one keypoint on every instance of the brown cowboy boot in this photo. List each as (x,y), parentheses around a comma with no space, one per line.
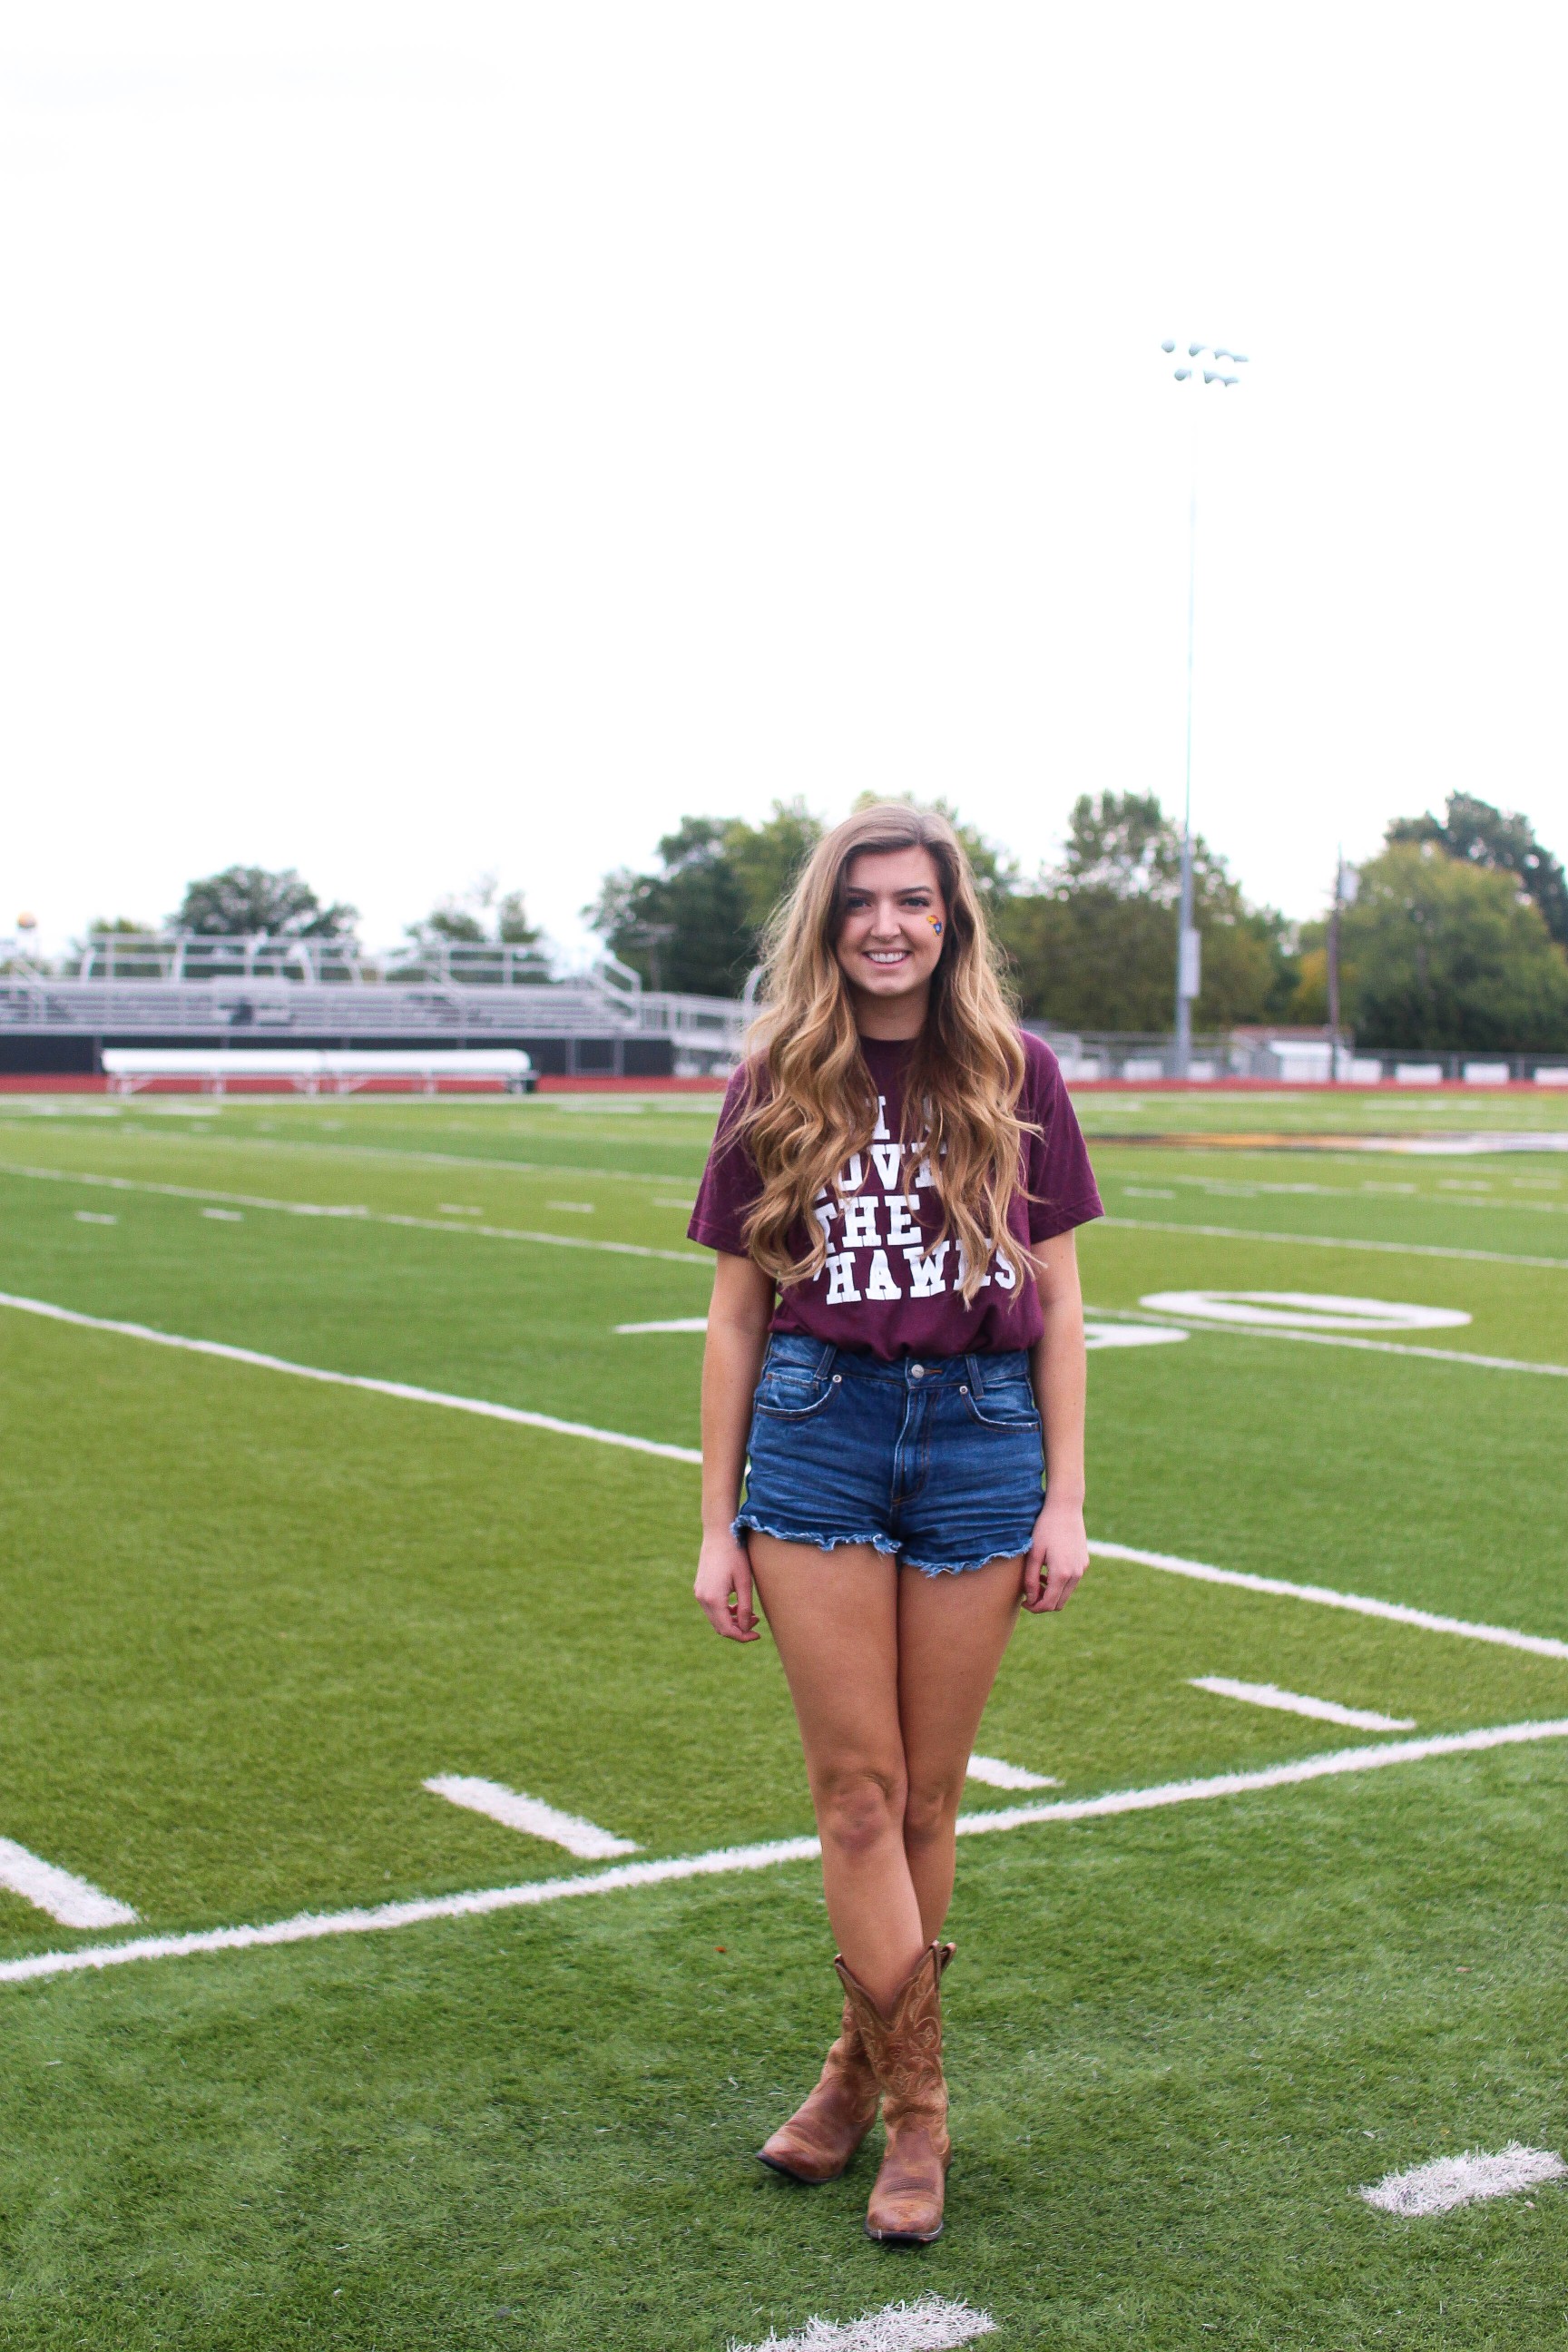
(905,2052)
(822,2135)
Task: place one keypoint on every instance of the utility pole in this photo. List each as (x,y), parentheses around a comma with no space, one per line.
(1189,945)
(1346,883)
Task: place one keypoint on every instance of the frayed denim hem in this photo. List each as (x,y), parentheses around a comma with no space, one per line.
(747,1521)
(964,1566)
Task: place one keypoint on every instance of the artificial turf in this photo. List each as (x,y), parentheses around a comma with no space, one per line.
(243,1617)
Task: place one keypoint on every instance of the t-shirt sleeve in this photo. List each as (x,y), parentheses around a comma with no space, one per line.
(730,1181)
(1062,1190)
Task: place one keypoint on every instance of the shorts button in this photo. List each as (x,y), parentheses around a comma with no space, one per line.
(916,1371)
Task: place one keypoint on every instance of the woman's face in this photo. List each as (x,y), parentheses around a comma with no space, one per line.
(894,922)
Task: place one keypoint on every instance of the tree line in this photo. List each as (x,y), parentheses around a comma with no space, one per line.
(1456,937)
(251,901)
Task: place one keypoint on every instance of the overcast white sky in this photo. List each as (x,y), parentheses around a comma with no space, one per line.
(441,437)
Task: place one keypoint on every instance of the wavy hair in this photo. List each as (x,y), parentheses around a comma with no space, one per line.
(810,1105)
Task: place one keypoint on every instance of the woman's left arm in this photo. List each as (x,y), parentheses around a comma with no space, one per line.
(1059,1552)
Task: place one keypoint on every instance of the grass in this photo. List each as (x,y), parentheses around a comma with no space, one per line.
(244,1617)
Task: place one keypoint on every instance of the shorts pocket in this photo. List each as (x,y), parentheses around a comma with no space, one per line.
(1006,1405)
(787,1394)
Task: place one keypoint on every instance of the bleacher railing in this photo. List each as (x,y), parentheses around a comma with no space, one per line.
(179,984)
(319,963)
(171,984)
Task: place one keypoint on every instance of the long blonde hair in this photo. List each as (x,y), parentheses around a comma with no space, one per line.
(810,1105)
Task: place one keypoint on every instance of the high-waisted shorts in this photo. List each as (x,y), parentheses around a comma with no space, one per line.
(936,1460)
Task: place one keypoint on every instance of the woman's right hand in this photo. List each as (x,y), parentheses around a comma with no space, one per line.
(723,1587)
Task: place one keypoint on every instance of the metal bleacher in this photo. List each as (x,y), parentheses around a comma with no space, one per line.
(167,989)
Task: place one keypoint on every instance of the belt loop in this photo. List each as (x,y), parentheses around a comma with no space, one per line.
(829,1357)
(976,1382)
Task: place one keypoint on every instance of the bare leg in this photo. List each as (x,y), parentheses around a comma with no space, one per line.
(834,1616)
(952,1630)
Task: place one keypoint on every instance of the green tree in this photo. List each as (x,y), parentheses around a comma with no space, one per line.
(1093,945)
(1479,834)
(514,928)
(480,918)
(1309,1004)
(126,965)
(483,920)
(767,857)
(687,927)
(695,924)
(456,924)
(246,899)
(1441,953)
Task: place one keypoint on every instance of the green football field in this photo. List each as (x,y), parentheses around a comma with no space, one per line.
(1231,1959)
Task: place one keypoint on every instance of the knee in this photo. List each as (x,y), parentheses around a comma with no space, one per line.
(859,1806)
(931,1808)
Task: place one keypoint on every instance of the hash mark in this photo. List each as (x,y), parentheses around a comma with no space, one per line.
(1323,1710)
(515,1810)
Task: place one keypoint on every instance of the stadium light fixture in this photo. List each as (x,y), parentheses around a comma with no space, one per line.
(1189,972)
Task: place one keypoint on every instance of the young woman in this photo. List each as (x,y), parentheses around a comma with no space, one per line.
(896,1324)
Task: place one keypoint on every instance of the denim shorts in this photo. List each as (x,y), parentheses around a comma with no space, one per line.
(936,1460)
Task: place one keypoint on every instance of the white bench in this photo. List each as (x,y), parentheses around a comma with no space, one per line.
(309,1072)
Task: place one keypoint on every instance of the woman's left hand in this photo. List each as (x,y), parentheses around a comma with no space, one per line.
(1056,1557)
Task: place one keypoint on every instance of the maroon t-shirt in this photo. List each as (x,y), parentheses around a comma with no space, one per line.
(890,1287)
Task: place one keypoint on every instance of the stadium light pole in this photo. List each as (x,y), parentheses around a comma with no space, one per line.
(1347,883)
(1193,370)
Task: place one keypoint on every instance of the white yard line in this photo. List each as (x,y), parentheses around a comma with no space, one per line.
(1101,1337)
(1461,1196)
(696,1257)
(74,1902)
(366,1151)
(1332,1241)
(403,1389)
(932,2325)
(356,1214)
(1190,1325)
(1450,2181)
(1323,1710)
(312,1927)
(1403,1348)
(515,1810)
(993,1773)
(674,1323)
(1396,1612)
(1273,1776)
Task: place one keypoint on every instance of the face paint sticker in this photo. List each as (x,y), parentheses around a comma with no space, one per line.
(934,924)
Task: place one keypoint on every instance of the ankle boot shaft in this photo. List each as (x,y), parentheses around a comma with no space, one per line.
(905,2052)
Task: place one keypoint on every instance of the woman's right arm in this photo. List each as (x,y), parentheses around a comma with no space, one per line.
(738,1321)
